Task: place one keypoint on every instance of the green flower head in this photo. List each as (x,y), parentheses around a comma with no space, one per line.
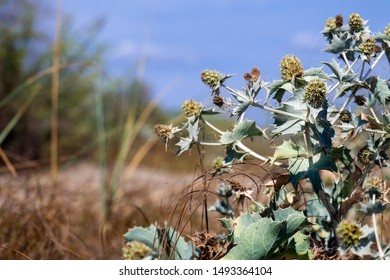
(290,66)
(315,93)
(367,47)
(212,78)
(355,23)
(191,108)
(218,163)
(387,30)
(135,250)
(330,23)
(349,233)
(365,155)
(345,116)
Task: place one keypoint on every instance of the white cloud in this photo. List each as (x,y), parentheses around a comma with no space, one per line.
(305,40)
(128,49)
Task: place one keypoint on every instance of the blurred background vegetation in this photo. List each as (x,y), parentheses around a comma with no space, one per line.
(102,121)
(25,50)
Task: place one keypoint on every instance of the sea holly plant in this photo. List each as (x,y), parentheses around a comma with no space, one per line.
(330,137)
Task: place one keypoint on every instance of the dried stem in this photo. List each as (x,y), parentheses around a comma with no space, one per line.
(54,95)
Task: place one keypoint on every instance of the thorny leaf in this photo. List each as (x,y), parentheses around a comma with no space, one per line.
(257,238)
(288,150)
(241,131)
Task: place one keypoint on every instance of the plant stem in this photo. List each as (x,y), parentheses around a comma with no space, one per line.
(54,95)
(209,144)
(256,155)
(345,59)
(307,136)
(344,105)
(378,243)
(245,148)
(276,111)
(374,64)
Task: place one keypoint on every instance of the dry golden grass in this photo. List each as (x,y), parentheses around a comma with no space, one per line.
(39,223)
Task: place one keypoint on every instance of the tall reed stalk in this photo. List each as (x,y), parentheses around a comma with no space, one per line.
(54,94)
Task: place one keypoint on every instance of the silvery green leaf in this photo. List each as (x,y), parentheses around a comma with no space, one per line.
(300,168)
(335,68)
(224,190)
(337,45)
(152,237)
(288,150)
(380,89)
(240,109)
(316,72)
(289,127)
(232,154)
(241,131)
(222,207)
(274,87)
(211,111)
(258,238)
(184,144)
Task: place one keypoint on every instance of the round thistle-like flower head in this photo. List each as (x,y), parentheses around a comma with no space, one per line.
(164,132)
(218,100)
(377,49)
(330,23)
(355,23)
(253,76)
(218,163)
(135,250)
(368,46)
(212,78)
(339,20)
(191,108)
(387,30)
(365,155)
(345,116)
(360,100)
(315,93)
(374,182)
(290,66)
(373,187)
(349,233)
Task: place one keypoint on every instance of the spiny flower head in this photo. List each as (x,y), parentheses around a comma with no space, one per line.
(374,182)
(315,93)
(218,100)
(349,233)
(373,187)
(212,78)
(360,100)
(218,163)
(253,76)
(135,250)
(345,116)
(387,30)
(365,155)
(330,23)
(368,46)
(191,108)
(164,132)
(355,22)
(290,66)
(339,20)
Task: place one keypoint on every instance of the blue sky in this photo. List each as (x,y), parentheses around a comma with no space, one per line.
(178,39)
